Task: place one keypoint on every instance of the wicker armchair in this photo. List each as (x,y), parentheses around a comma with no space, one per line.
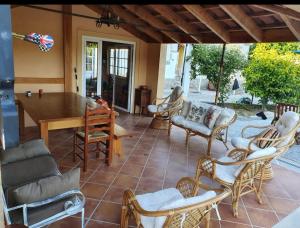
(166,108)
(240,170)
(176,207)
(287,126)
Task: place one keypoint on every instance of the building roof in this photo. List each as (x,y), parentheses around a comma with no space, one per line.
(208,23)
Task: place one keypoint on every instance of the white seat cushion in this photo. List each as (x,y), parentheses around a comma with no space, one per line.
(156,200)
(164,200)
(226,172)
(178,120)
(243,143)
(155,108)
(198,127)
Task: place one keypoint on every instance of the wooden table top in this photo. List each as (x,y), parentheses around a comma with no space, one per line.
(53,106)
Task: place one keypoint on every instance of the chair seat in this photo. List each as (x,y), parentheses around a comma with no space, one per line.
(227,173)
(93,135)
(166,199)
(155,108)
(178,120)
(243,143)
(192,125)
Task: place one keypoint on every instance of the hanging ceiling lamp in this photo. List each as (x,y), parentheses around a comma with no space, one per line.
(108,18)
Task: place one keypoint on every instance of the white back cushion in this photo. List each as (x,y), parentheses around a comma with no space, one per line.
(256,154)
(225,116)
(287,122)
(159,221)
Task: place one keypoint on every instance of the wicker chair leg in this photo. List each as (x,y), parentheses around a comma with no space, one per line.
(124,217)
(169,128)
(187,138)
(98,150)
(258,190)
(208,147)
(207,220)
(235,199)
(74,147)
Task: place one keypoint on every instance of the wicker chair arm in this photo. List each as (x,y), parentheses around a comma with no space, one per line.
(206,166)
(217,130)
(166,110)
(163,99)
(274,142)
(188,186)
(252,126)
(238,154)
(172,212)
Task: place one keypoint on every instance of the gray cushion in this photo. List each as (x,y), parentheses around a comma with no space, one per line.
(24,151)
(47,187)
(29,170)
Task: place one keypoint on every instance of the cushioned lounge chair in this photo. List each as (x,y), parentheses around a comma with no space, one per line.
(34,192)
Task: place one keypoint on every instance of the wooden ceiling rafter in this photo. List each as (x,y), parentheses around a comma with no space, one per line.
(293,25)
(143,14)
(170,15)
(280,10)
(204,17)
(246,22)
(145,28)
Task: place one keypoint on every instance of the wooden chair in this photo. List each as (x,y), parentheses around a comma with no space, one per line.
(240,170)
(280,108)
(98,129)
(180,207)
(167,107)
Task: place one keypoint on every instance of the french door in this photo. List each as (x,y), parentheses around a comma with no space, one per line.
(107,71)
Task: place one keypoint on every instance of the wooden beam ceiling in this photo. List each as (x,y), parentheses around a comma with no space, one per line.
(215,26)
(143,14)
(126,27)
(145,28)
(293,25)
(281,10)
(246,22)
(178,21)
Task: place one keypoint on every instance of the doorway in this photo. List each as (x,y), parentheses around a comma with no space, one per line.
(107,71)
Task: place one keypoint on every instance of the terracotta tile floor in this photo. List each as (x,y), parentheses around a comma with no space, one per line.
(153,161)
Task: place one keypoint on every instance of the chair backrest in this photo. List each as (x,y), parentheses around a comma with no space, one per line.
(176,93)
(99,119)
(288,124)
(282,107)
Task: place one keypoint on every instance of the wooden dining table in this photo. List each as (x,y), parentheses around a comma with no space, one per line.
(53,111)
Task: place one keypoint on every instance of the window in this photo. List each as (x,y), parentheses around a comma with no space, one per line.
(118,62)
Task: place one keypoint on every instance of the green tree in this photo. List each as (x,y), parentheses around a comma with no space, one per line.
(205,60)
(273,73)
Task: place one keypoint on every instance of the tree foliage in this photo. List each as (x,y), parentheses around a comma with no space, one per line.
(273,73)
(205,60)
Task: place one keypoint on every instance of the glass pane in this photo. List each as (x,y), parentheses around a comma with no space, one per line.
(91,68)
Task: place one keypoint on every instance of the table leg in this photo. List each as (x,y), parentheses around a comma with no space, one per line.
(44,132)
(118,147)
(21,121)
